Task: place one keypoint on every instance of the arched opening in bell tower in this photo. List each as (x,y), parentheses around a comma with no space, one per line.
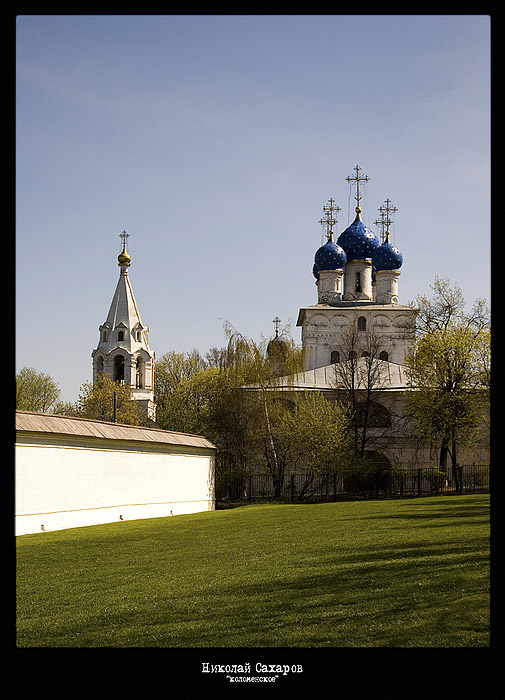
(119,368)
(139,375)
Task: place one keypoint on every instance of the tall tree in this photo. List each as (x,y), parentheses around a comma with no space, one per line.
(262,374)
(447,307)
(198,395)
(109,401)
(35,391)
(173,368)
(449,372)
(313,436)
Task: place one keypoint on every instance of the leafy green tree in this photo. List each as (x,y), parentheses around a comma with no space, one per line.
(173,368)
(313,436)
(65,408)
(188,407)
(449,373)
(237,398)
(197,395)
(107,400)
(446,308)
(174,403)
(261,376)
(35,391)
(207,396)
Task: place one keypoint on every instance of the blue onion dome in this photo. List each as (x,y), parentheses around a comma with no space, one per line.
(329,256)
(386,256)
(357,240)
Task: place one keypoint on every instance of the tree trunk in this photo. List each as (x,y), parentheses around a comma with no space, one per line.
(443,456)
(455,469)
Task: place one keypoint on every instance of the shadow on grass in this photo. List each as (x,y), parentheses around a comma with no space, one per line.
(385,596)
(408,595)
(361,590)
(479,512)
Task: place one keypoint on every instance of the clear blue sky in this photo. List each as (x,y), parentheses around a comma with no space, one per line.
(215,141)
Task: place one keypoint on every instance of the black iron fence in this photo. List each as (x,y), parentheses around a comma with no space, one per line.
(392,483)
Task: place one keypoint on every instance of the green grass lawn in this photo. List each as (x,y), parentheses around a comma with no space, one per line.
(402,573)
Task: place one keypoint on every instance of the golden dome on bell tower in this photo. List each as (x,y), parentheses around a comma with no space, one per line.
(123,257)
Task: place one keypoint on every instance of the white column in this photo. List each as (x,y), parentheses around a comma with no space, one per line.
(329,286)
(353,290)
(387,286)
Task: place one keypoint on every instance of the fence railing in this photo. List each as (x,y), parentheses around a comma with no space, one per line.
(394,483)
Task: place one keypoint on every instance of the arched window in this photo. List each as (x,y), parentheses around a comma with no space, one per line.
(104,336)
(119,368)
(365,353)
(288,404)
(335,357)
(99,365)
(139,380)
(352,355)
(120,335)
(383,355)
(362,323)
(377,415)
(358,281)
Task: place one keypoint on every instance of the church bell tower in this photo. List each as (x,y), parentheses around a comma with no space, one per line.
(123,351)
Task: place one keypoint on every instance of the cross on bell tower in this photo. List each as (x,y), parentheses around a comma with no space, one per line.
(124,237)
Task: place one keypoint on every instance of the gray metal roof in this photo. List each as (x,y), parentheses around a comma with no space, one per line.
(28,421)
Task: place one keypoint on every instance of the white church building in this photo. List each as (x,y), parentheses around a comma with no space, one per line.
(357,280)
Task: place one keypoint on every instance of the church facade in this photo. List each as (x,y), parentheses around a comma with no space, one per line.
(357,285)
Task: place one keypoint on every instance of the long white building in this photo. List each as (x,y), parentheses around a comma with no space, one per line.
(71,472)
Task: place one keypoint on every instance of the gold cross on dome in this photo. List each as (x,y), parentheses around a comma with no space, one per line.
(382,223)
(357,179)
(276,321)
(329,220)
(387,208)
(123,237)
(386,221)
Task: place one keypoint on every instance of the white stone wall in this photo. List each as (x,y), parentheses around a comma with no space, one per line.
(78,483)
(322,329)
